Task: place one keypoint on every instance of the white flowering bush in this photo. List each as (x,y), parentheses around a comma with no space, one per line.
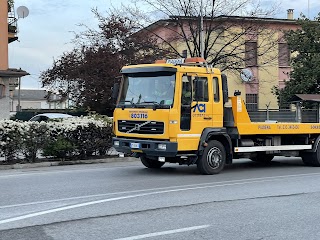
(69,138)
(34,138)
(79,137)
(10,139)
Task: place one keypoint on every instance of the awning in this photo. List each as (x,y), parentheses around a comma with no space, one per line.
(305,98)
(13,72)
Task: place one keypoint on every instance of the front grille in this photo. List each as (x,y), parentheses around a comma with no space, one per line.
(141,127)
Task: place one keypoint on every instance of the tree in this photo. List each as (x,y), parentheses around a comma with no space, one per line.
(224,32)
(304,45)
(87,73)
(10,5)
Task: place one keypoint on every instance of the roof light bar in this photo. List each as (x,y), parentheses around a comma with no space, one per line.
(195,60)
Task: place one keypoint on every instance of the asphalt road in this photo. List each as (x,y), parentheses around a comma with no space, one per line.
(127,201)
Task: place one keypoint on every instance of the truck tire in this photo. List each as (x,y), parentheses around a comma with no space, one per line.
(213,159)
(149,163)
(262,158)
(311,158)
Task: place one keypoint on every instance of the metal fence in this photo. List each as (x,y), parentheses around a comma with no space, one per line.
(284,115)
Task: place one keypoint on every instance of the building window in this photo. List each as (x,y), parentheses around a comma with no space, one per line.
(2,90)
(184,54)
(251,54)
(283,55)
(252,102)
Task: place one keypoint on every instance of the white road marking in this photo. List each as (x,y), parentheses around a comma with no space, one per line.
(215,184)
(155,234)
(268,179)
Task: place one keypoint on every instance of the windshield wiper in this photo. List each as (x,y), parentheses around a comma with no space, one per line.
(154,102)
(127,101)
(154,106)
(124,101)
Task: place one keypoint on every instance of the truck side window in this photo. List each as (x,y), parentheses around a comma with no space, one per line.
(186,96)
(203,83)
(216,96)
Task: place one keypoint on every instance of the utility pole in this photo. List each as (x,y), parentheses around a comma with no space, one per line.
(201,31)
(19,96)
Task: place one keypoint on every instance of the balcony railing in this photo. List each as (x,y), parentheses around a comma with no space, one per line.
(12,25)
(262,115)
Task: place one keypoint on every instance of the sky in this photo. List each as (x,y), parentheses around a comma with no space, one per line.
(48,30)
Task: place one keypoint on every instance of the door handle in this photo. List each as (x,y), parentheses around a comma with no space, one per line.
(207,118)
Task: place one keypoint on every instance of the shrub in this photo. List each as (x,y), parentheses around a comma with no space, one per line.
(89,134)
(34,138)
(60,148)
(68,138)
(10,139)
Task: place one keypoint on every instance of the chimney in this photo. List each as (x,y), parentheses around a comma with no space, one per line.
(290,14)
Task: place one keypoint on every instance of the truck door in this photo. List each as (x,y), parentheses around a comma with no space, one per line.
(196,109)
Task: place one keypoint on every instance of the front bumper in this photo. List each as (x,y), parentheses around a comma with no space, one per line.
(147,147)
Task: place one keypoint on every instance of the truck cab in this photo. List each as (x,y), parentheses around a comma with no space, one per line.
(163,108)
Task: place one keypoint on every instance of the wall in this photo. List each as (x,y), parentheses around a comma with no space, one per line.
(3,35)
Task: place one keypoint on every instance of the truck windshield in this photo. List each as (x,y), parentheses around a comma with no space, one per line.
(154,89)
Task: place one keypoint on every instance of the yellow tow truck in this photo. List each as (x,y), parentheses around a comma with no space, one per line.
(179,111)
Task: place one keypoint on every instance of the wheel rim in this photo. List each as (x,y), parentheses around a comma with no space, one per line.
(214,157)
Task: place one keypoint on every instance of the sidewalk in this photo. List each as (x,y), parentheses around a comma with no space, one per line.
(59,163)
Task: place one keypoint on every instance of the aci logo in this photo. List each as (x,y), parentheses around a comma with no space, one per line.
(200,108)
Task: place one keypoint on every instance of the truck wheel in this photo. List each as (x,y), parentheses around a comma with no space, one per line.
(262,158)
(213,159)
(149,163)
(306,158)
(311,158)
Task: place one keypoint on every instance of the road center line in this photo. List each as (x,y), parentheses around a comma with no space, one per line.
(211,184)
(36,214)
(155,234)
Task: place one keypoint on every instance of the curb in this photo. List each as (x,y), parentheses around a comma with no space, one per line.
(59,163)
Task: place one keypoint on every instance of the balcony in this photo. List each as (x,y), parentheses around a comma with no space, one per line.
(12,26)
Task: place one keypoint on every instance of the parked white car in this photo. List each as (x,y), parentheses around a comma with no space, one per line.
(49,116)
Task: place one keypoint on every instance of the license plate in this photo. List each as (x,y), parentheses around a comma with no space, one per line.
(135,145)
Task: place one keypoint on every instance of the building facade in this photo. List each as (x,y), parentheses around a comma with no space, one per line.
(36,99)
(258,42)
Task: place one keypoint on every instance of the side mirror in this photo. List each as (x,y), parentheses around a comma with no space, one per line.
(225,88)
(115,91)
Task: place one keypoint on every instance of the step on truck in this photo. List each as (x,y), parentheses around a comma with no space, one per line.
(179,111)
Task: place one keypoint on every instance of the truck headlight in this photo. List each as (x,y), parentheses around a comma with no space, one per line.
(162,146)
(116,143)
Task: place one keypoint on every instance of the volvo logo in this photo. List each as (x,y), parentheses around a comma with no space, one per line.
(137,127)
